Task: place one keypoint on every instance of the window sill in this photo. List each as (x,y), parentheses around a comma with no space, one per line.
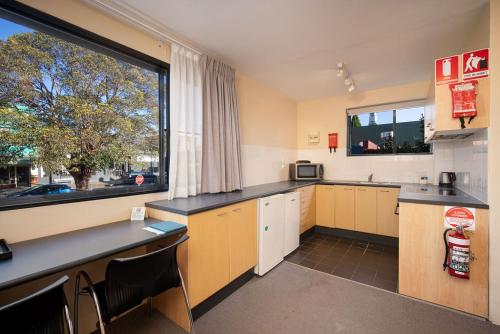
(25,203)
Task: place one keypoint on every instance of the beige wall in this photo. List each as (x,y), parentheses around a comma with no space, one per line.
(494,162)
(267,117)
(329,114)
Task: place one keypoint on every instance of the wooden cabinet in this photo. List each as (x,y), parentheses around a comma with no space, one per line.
(438,110)
(242,238)
(208,254)
(325,205)
(307,207)
(344,207)
(421,253)
(387,219)
(366,209)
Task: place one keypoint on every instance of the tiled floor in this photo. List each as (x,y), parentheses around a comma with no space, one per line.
(368,263)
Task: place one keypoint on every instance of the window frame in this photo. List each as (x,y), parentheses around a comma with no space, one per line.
(35,19)
(394,123)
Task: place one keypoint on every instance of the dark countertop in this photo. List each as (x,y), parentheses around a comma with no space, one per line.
(33,259)
(205,202)
(431,194)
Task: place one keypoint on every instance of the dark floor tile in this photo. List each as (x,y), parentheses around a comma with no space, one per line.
(332,261)
(345,241)
(365,277)
(360,244)
(344,270)
(293,259)
(375,247)
(391,250)
(388,274)
(390,285)
(314,257)
(318,251)
(307,263)
(326,268)
(355,251)
(352,259)
(323,246)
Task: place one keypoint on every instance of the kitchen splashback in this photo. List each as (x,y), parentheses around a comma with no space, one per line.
(470,162)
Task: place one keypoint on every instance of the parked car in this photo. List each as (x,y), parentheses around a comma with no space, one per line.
(43,189)
(129,180)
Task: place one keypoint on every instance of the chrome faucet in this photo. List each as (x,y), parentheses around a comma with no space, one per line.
(370,178)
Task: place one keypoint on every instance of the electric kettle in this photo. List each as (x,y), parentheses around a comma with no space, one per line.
(446,179)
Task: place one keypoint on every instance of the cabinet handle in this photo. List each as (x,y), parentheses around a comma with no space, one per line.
(384,191)
(347,188)
(293,200)
(361,189)
(237,210)
(396,211)
(221,214)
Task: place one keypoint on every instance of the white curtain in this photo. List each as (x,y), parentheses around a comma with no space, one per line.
(185,123)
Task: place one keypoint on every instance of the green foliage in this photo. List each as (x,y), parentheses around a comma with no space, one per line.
(356,123)
(83,111)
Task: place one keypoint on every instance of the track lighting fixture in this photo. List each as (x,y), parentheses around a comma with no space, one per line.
(343,73)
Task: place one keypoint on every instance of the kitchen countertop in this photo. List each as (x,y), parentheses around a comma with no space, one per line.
(431,194)
(410,192)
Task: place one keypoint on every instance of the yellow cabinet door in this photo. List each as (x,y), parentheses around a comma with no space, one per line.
(387,219)
(208,254)
(366,209)
(344,207)
(325,205)
(242,226)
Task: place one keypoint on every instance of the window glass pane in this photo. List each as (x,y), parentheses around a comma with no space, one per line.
(372,133)
(73,120)
(410,131)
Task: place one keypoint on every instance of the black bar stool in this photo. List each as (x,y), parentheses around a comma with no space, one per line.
(45,311)
(129,281)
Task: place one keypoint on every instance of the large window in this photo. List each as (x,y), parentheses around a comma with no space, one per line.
(78,118)
(387,129)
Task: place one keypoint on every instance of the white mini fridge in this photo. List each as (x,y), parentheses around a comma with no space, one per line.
(271,221)
(292,222)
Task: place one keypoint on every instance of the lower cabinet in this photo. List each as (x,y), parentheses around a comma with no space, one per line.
(387,219)
(242,238)
(325,205)
(366,209)
(222,245)
(208,254)
(344,207)
(307,207)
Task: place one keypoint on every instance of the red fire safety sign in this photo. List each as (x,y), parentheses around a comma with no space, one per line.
(463,97)
(475,64)
(446,70)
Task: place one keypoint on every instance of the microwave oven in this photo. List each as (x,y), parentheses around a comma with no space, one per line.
(306,171)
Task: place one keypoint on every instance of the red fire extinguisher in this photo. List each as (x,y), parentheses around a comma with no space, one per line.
(332,141)
(457,256)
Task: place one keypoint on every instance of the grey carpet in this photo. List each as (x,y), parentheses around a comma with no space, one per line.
(294,299)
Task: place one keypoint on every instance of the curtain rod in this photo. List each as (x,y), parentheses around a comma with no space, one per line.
(122,13)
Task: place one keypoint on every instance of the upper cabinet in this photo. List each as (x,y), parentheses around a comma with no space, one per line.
(439,123)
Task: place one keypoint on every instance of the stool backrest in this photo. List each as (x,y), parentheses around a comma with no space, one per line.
(130,280)
(45,311)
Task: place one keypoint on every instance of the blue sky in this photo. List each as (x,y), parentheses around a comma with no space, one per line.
(8,28)
(385,117)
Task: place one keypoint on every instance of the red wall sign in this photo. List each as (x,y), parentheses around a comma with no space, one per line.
(139,179)
(446,70)
(475,64)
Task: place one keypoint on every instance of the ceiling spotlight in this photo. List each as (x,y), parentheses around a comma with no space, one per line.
(351,88)
(340,69)
(348,81)
(340,65)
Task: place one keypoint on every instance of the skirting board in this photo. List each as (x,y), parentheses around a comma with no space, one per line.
(222,294)
(380,239)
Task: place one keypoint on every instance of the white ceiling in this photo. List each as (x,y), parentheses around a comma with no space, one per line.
(294,45)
